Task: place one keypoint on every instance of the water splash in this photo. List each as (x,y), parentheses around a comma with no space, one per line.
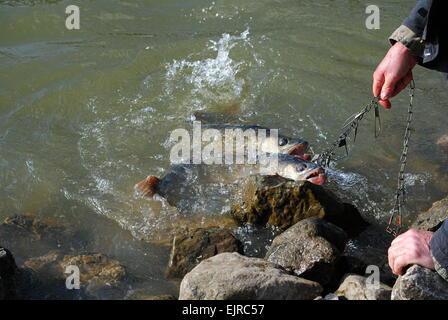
(212,81)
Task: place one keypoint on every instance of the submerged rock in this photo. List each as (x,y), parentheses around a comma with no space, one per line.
(231,276)
(196,245)
(282,203)
(356,287)
(99,274)
(41,234)
(8,271)
(311,249)
(432,219)
(183,224)
(419,283)
(442,142)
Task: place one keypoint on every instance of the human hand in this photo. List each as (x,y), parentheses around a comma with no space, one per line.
(393,74)
(411,247)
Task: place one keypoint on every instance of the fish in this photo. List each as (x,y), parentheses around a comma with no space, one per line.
(269,143)
(184,182)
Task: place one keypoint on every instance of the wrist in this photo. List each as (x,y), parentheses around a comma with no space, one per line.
(405,53)
(408,39)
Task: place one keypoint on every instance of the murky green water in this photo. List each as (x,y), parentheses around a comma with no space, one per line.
(85,114)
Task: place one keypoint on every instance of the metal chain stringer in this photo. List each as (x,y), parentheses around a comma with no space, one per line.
(395,220)
(325,158)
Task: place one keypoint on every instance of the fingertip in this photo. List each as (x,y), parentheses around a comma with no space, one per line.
(385,103)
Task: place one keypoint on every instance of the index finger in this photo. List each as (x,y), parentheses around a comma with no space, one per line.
(378,81)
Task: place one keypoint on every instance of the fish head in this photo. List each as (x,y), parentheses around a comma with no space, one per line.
(300,170)
(285,145)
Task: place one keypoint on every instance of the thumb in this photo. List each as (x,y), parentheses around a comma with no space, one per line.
(388,87)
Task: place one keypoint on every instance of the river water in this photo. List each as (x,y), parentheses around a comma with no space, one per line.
(85,114)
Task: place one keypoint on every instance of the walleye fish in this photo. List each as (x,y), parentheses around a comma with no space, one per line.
(185,182)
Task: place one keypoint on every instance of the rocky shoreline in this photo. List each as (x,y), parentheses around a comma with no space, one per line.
(307,258)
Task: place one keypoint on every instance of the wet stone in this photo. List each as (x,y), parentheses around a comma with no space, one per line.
(231,276)
(419,283)
(22,232)
(100,276)
(356,287)
(311,249)
(432,219)
(282,203)
(192,247)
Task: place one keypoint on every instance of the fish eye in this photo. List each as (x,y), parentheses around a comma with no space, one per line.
(301,167)
(282,142)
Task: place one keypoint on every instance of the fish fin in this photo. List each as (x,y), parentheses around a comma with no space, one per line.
(148,187)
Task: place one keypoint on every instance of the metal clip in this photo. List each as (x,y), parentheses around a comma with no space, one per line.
(377,121)
(394,225)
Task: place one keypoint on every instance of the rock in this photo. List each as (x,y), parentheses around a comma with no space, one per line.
(282,203)
(442,142)
(231,276)
(311,249)
(100,276)
(419,283)
(8,270)
(331,296)
(199,244)
(432,219)
(42,234)
(184,224)
(141,294)
(355,287)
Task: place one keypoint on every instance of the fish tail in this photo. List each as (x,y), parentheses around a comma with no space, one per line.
(148,187)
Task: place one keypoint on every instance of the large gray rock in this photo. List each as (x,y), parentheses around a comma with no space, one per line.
(196,245)
(433,218)
(231,276)
(355,287)
(311,249)
(282,203)
(8,270)
(419,283)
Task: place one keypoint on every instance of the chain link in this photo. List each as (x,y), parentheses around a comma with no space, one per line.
(395,220)
(351,124)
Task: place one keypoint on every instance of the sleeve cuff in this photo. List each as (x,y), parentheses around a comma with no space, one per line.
(443,272)
(409,39)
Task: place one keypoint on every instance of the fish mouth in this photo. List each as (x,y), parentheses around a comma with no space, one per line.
(317,176)
(298,150)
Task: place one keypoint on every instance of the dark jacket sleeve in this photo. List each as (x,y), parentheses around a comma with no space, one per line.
(439,250)
(423,31)
(418,18)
